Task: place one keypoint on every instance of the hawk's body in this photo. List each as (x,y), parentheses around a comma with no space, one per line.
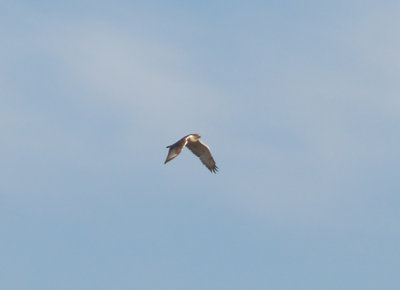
(200,149)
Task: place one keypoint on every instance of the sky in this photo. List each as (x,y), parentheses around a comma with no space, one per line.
(298,101)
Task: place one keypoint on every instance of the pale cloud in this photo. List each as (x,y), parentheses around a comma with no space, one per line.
(375,42)
(144,79)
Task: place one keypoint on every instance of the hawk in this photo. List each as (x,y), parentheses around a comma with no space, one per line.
(199,149)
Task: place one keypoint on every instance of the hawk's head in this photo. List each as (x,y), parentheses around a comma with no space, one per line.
(194,137)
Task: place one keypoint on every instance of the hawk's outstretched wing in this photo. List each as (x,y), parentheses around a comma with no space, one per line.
(176,148)
(202,151)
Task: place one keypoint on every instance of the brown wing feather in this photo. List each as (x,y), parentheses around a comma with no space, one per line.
(175,149)
(202,151)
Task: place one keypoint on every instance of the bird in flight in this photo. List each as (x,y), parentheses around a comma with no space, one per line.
(199,149)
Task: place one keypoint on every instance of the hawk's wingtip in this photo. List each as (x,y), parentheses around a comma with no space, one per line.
(214,170)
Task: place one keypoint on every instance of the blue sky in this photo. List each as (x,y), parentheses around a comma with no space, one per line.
(298,100)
